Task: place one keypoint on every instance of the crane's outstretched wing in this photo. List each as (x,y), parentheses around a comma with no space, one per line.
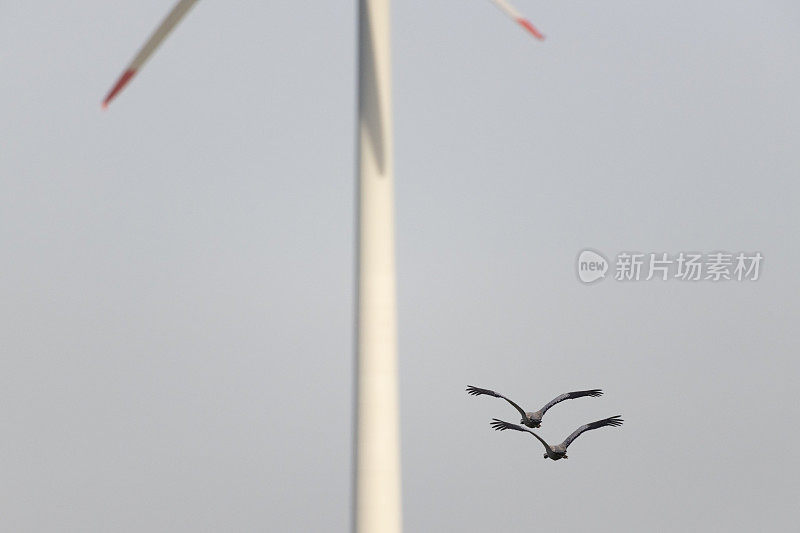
(509,10)
(475,391)
(570,396)
(500,425)
(613,421)
(166,26)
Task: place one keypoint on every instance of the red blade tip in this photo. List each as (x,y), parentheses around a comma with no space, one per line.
(525,23)
(121,82)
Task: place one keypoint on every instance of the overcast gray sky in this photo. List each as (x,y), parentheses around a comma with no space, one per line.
(176,273)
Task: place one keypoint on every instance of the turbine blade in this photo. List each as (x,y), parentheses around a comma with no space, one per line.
(166,26)
(509,10)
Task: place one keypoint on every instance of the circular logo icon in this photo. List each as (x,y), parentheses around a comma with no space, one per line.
(592,266)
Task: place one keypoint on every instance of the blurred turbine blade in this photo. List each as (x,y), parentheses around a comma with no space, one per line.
(175,16)
(509,10)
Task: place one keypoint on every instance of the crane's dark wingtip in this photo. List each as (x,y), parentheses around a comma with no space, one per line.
(476,391)
(500,425)
(594,393)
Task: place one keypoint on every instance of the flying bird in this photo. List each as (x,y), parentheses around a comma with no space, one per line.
(533,419)
(559,451)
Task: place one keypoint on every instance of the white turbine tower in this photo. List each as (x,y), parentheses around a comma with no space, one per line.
(377,495)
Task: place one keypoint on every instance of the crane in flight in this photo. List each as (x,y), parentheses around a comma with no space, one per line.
(559,451)
(533,419)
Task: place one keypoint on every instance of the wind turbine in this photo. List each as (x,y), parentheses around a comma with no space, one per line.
(377,502)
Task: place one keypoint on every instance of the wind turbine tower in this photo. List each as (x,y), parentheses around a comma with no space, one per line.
(377,495)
